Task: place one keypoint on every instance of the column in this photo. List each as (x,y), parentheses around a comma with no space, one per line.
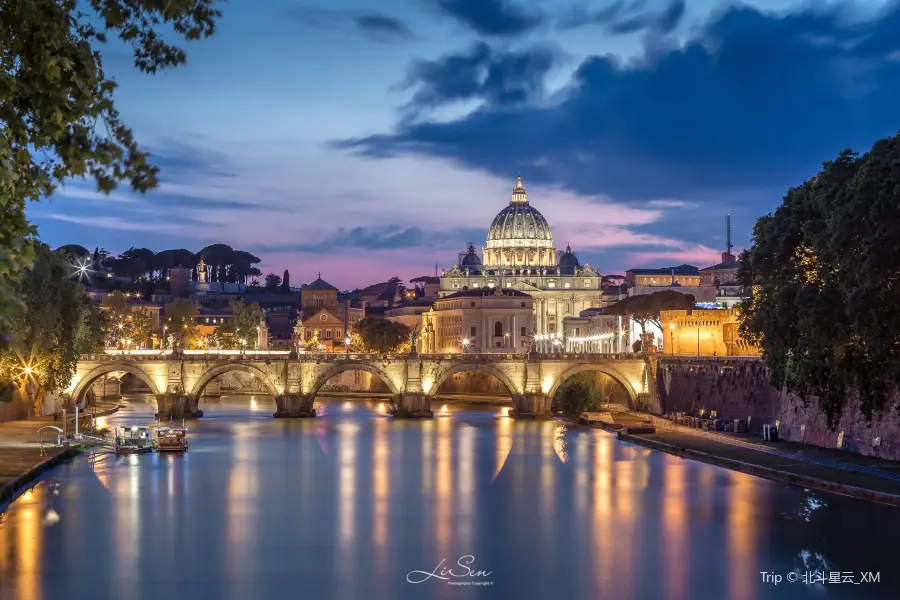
(514,334)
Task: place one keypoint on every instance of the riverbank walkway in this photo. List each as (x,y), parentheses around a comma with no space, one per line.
(21,457)
(827,469)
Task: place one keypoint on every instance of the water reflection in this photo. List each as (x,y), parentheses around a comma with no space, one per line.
(345,505)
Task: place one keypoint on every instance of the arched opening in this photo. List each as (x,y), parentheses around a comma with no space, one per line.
(349,386)
(474,386)
(103,380)
(498,329)
(233,388)
(591,388)
(115,383)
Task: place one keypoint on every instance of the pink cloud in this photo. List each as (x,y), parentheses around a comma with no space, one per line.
(699,256)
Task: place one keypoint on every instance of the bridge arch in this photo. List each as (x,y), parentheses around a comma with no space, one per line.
(214,372)
(617,375)
(340,367)
(86,380)
(497,372)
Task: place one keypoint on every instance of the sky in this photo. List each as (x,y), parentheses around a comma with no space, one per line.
(366,143)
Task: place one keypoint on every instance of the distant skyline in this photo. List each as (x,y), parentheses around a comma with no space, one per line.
(371,142)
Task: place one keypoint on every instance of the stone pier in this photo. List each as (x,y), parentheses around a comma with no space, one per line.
(413,405)
(531,406)
(294,406)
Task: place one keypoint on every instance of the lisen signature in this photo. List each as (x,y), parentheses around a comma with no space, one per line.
(461,570)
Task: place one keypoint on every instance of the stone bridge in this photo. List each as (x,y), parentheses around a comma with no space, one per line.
(178,380)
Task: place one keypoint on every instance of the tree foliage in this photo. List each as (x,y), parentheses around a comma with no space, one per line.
(125,325)
(825,273)
(58,118)
(59,322)
(379,335)
(181,323)
(273,282)
(243,325)
(580,393)
(645,308)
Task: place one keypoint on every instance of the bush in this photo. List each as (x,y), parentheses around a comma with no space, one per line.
(577,395)
(636,346)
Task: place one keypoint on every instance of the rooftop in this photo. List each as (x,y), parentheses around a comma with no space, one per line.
(679,270)
(484,292)
(320,284)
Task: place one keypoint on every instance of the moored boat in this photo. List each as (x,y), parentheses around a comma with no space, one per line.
(133,440)
(171,439)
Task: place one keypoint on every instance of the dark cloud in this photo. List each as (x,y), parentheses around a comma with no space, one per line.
(754,100)
(498,78)
(381,25)
(376,26)
(623,17)
(502,18)
(388,237)
(178,160)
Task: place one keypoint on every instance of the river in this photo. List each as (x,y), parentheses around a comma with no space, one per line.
(355,505)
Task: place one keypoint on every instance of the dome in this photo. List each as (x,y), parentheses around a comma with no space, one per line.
(470,259)
(568,262)
(519,224)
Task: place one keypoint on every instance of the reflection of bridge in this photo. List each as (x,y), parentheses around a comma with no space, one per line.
(178,380)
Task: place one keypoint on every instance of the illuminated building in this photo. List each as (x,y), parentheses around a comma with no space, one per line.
(520,255)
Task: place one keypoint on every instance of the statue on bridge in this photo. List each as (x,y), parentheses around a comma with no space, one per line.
(412,340)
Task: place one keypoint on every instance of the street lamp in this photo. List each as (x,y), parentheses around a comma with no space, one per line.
(465,344)
(347,344)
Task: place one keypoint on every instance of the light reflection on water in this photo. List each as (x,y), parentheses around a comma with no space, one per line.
(345,505)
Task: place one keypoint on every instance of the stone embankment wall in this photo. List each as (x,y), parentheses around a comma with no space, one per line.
(738,388)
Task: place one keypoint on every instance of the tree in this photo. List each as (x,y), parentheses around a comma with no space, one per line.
(181,322)
(824,270)
(245,319)
(57,114)
(286,283)
(125,325)
(59,322)
(273,282)
(645,308)
(379,335)
(580,393)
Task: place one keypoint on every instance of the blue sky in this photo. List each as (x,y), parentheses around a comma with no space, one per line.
(367,143)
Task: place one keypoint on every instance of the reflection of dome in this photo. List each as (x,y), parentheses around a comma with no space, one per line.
(568,262)
(519,235)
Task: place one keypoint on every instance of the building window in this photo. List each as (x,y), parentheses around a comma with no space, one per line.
(491,285)
(471,332)
(587,283)
(522,332)
(523,305)
(207,319)
(456,285)
(473,305)
(508,284)
(568,285)
(551,284)
(320,301)
(337,333)
(498,329)
(476,285)
(327,334)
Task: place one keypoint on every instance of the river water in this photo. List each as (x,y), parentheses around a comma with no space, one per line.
(355,505)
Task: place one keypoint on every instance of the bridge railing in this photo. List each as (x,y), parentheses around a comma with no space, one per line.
(192,355)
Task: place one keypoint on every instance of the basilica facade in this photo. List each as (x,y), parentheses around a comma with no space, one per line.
(519,254)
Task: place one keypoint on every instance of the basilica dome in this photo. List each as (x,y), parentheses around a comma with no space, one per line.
(519,235)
